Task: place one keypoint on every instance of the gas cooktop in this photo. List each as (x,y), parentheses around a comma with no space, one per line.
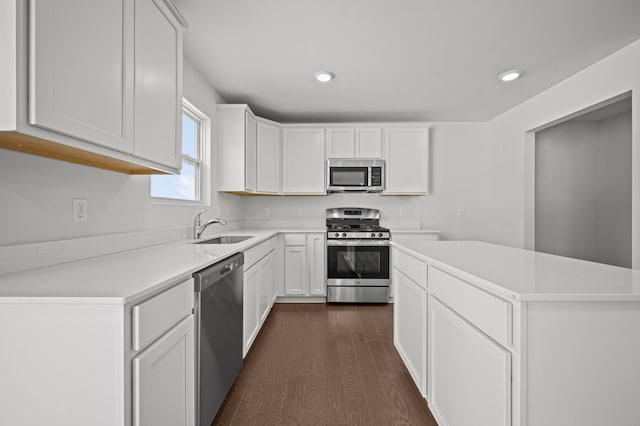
(355,223)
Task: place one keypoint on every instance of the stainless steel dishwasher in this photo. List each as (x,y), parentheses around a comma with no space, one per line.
(218,311)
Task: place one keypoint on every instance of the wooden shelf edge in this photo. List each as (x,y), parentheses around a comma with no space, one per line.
(28,144)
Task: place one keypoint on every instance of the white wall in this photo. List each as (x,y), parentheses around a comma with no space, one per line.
(509,170)
(583,190)
(614,189)
(457,152)
(36,192)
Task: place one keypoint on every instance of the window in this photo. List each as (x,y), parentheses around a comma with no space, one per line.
(188,185)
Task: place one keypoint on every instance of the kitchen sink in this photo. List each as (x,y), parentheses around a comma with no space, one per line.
(227,239)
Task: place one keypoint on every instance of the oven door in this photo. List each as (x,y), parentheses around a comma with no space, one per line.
(357,262)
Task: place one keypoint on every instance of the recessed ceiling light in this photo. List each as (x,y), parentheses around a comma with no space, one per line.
(510,75)
(324,76)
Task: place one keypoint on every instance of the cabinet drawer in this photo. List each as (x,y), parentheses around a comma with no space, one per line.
(411,267)
(255,253)
(273,243)
(295,239)
(487,312)
(153,318)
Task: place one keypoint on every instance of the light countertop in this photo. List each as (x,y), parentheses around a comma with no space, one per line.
(125,276)
(413,231)
(527,275)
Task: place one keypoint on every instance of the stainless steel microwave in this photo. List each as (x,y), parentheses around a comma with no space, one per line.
(348,174)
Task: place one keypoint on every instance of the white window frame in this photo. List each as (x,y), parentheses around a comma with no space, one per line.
(202,163)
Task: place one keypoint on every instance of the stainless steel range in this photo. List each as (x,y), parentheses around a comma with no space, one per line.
(357,256)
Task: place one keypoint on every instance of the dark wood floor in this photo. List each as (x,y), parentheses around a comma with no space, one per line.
(317,364)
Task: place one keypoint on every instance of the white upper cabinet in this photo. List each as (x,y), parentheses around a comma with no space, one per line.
(340,143)
(348,142)
(94,82)
(368,143)
(249,150)
(236,148)
(260,156)
(268,167)
(81,70)
(158,84)
(406,161)
(303,161)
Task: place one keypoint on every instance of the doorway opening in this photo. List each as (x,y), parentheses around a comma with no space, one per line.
(583,185)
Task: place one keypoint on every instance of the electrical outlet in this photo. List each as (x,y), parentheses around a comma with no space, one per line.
(300,211)
(79,213)
(461,211)
(267,211)
(403,211)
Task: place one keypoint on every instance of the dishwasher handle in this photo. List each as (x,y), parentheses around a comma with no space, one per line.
(225,270)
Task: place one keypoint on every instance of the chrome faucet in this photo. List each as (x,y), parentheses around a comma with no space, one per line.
(198,229)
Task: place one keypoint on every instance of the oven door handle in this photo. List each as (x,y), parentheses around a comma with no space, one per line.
(360,243)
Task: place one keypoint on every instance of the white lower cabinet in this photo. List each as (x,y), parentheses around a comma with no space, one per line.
(163,379)
(316,249)
(257,298)
(450,336)
(304,265)
(295,276)
(470,374)
(250,318)
(95,361)
(410,327)
(264,288)
(277,269)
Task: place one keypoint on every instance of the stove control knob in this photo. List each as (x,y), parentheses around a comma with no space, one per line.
(344,235)
(337,234)
(373,235)
(380,235)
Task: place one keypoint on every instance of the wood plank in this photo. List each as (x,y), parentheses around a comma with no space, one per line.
(354,390)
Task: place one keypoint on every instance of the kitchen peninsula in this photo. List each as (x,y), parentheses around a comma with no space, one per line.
(503,336)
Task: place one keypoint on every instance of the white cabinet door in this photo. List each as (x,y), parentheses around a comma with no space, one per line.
(250,316)
(469,374)
(295,270)
(368,143)
(81,70)
(250,152)
(276,271)
(158,84)
(264,287)
(410,327)
(407,161)
(303,161)
(268,170)
(316,264)
(340,143)
(164,379)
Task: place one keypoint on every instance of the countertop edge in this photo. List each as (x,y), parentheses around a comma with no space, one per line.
(502,292)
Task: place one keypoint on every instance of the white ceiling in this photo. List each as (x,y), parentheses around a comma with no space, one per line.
(397,60)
